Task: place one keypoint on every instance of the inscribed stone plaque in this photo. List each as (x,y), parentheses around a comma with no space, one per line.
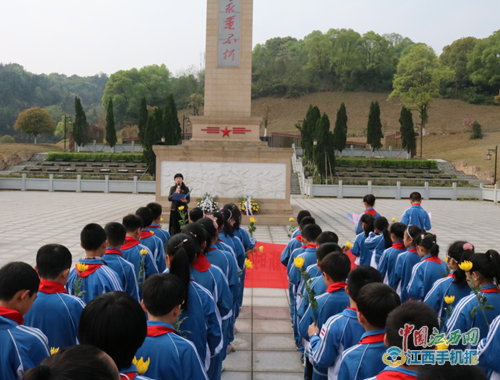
(228,53)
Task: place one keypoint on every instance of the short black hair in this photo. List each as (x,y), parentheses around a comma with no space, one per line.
(132,222)
(448,371)
(327,237)
(52,260)
(415,196)
(115,233)
(415,313)
(146,215)
(16,276)
(336,265)
(307,220)
(301,215)
(369,199)
(80,362)
(398,229)
(325,249)
(361,276)
(92,237)
(163,292)
(310,232)
(195,214)
(376,301)
(156,209)
(115,323)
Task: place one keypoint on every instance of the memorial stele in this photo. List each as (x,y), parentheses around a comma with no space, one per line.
(225,156)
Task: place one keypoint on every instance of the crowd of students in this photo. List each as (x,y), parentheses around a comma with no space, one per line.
(141,304)
(399,298)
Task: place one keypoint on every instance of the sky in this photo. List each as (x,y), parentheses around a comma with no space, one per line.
(92,36)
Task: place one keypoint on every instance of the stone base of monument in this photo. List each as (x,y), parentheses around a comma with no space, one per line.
(229,170)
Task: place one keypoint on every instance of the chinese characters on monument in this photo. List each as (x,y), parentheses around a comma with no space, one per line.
(229,33)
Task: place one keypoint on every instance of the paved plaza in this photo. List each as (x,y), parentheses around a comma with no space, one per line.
(264,346)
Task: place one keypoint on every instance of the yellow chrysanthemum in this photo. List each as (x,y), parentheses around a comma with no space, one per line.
(444,345)
(261,248)
(248,264)
(152,231)
(252,220)
(466,266)
(446,259)
(81,267)
(394,220)
(299,262)
(180,208)
(54,350)
(449,299)
(161,219)
(348,244)
(291,220)
(143,252)
(141,365)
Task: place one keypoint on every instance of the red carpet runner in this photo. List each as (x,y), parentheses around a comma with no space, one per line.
(268,272)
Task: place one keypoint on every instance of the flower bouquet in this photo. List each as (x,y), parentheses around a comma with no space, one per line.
(248,205)
(208,203)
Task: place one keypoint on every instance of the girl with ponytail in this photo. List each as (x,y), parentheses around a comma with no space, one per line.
(245,238)
(454,286)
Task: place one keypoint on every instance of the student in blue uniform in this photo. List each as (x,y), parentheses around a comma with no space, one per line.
(150,240)
(335,267)
(115,234)
(195,214)
(91,276)
(310,234)
(22,347)
(488,350)
(155,227)
(369,202)
(359,249)
(378,240)
(430,269)
(416,215)
(342,330)
(455,284)
(115,323)
(405,262)
(170,356)
(54,311)
(136,253)
(485,273)
(245,238)
(201,320)
(324,238)
(388,259)
(375,302)
(295,243)
(300,215)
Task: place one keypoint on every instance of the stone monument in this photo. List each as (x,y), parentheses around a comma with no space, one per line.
(225,156)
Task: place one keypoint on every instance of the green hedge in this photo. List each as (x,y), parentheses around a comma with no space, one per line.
(114,157)
(385,162)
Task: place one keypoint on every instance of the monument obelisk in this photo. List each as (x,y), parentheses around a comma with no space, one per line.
(225,156)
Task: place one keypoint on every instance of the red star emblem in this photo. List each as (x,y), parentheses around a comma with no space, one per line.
(225,132)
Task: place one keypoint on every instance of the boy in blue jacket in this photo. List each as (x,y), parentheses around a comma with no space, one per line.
(22,347)
(387,262)
(54,311)
(157,210)
(369,202)
(375,302)
(148,238)
(416,215)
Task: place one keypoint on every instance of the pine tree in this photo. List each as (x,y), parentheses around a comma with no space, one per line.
(407,129)
(477,132)
(323,151)
(374,128)
(110,126)
(80,126)
(149,140)
(340,131)
(175,125)
(143,119)
(307,131)
(166,126)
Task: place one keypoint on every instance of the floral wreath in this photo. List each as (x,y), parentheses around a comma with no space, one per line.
(208,203)
(248,205)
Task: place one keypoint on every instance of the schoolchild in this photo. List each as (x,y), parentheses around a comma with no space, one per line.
(91,276)
(115,234)
(54,311)
(416,215)
(155,227)
(150,240)
(323,238)
(375,302)
(300,215)
(195,214)
(378,240)
(309,237)
(245,238)
(369,203)
(430,268)
(359,249)
(488,350)
(295,243)
(22,347)
(387,262)
(405,262)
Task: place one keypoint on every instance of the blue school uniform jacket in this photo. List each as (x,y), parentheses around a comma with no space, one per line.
(370,211)
(416,216)
(423,276)
(291,246)
(247,241)
(171,356)
(402,274)
(131,373)
(227,263)
(359,249)
(56,314)
(461,319)
(442,288)
(309,256)
(489,348)
(131,252)
(338,333)
(318,285)
(387,263)
(376,244)
(164,235)
(156,246)
(395,373)
(124,269)
(364,360)
(22,347)
(96,280)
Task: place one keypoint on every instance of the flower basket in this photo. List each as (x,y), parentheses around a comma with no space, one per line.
(248,206)
(208,203)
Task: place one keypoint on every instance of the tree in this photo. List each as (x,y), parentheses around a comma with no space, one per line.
(407,130)
(476,131)
(195,103)
(143,119)
(323,154)
(455,57)
(59,132)
(374,128)
(149,140)
(417,81)
(484,63)
(340,131)
(110,126)
(174,124)
(307,131)
(80,125)
(35,121)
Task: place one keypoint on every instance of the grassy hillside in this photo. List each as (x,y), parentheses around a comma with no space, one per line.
(7,150)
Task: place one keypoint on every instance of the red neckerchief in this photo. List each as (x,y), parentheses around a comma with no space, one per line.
(398,245)
(51,287)
(370,211)
(335,286)
(416,204)
(129,375)
(451,275)
(412,249)
(372,339)
(13,315)
(151,226)
(201,264)
(489,290)
(351,308)
(219,240)
(146,234)
(211,249)
(311,246)
(299,237)
(434,259)
(159,330)
(129,243)
(91,269)
(113,251)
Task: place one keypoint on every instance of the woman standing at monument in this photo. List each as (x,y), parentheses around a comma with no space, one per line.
(177,202)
